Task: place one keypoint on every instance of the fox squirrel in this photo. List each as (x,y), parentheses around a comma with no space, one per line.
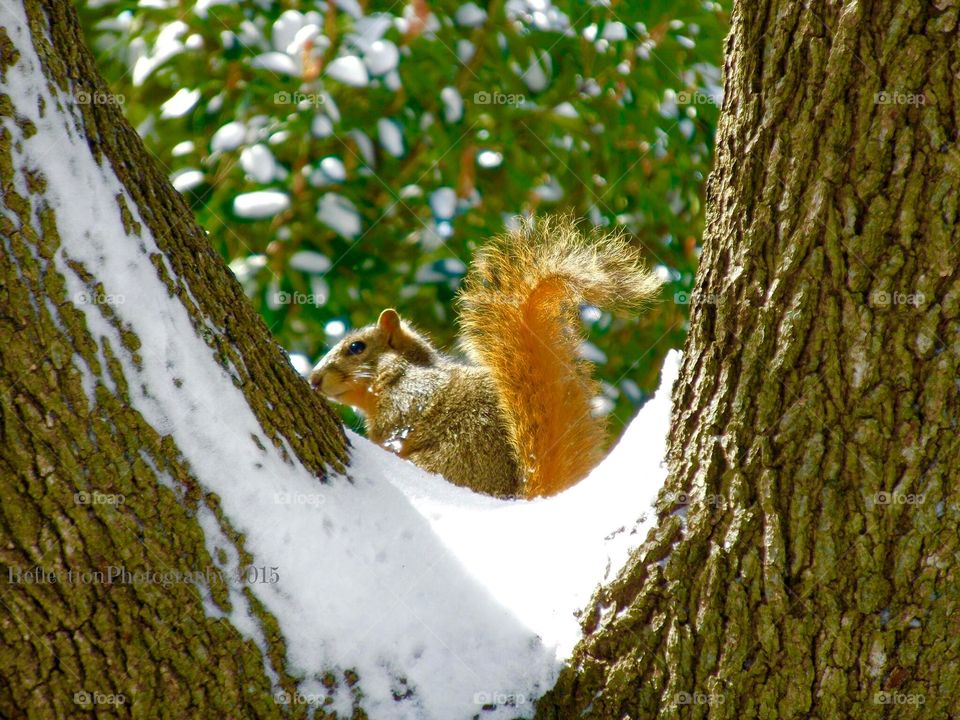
(516,420)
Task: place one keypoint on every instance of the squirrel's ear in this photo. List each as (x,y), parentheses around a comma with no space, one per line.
(389,322)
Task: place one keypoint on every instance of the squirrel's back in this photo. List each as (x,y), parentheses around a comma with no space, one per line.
(446,418)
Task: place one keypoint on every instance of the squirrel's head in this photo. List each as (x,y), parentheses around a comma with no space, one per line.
(347,373)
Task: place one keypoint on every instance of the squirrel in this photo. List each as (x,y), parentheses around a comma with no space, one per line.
(515,419)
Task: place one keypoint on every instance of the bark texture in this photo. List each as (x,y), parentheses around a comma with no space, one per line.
(71,648)
(806,559)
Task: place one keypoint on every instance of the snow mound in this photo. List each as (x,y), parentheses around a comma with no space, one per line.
(542,559)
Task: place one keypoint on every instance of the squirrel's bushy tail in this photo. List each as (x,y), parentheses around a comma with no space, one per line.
(520,315)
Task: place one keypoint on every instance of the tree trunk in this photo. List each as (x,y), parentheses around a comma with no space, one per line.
(805,562)
(87,485)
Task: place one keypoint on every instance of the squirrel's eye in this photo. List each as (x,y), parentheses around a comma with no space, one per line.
(356,347)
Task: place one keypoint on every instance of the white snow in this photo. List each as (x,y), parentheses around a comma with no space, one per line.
(339,214)
(285,29)
(411,16)
(350,70)
(614,30)
(301,363)
(330,106)
(368,29)
(391,138)
(382,57)
(260,204)
(310,261)
(333,168)
(202,6)
(537,74)
(277,62)
(589,351)
(321,126)
(470,15)
(182,148)
(216,102)
(187,179)
(392,81)
(550,191)
(246,267)
(180,104)
(228,137)
(427,273)
(167,45)
(250,36)
(258,162)
(335,329)
(330,170)
(454,266)
(443,202)
(351,7)
(309,33)
(396,574)
(279,137)
(365,144)
(489,159)
(452,104)
(465,50)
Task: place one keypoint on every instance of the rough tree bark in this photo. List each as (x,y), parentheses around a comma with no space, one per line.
(806,560)
(154,645)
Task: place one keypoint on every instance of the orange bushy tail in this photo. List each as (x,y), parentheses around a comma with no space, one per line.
(520,316)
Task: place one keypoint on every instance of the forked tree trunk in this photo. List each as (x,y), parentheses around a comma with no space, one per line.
(89,485)
(806,561)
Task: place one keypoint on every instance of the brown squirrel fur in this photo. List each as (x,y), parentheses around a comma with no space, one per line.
(517,420)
